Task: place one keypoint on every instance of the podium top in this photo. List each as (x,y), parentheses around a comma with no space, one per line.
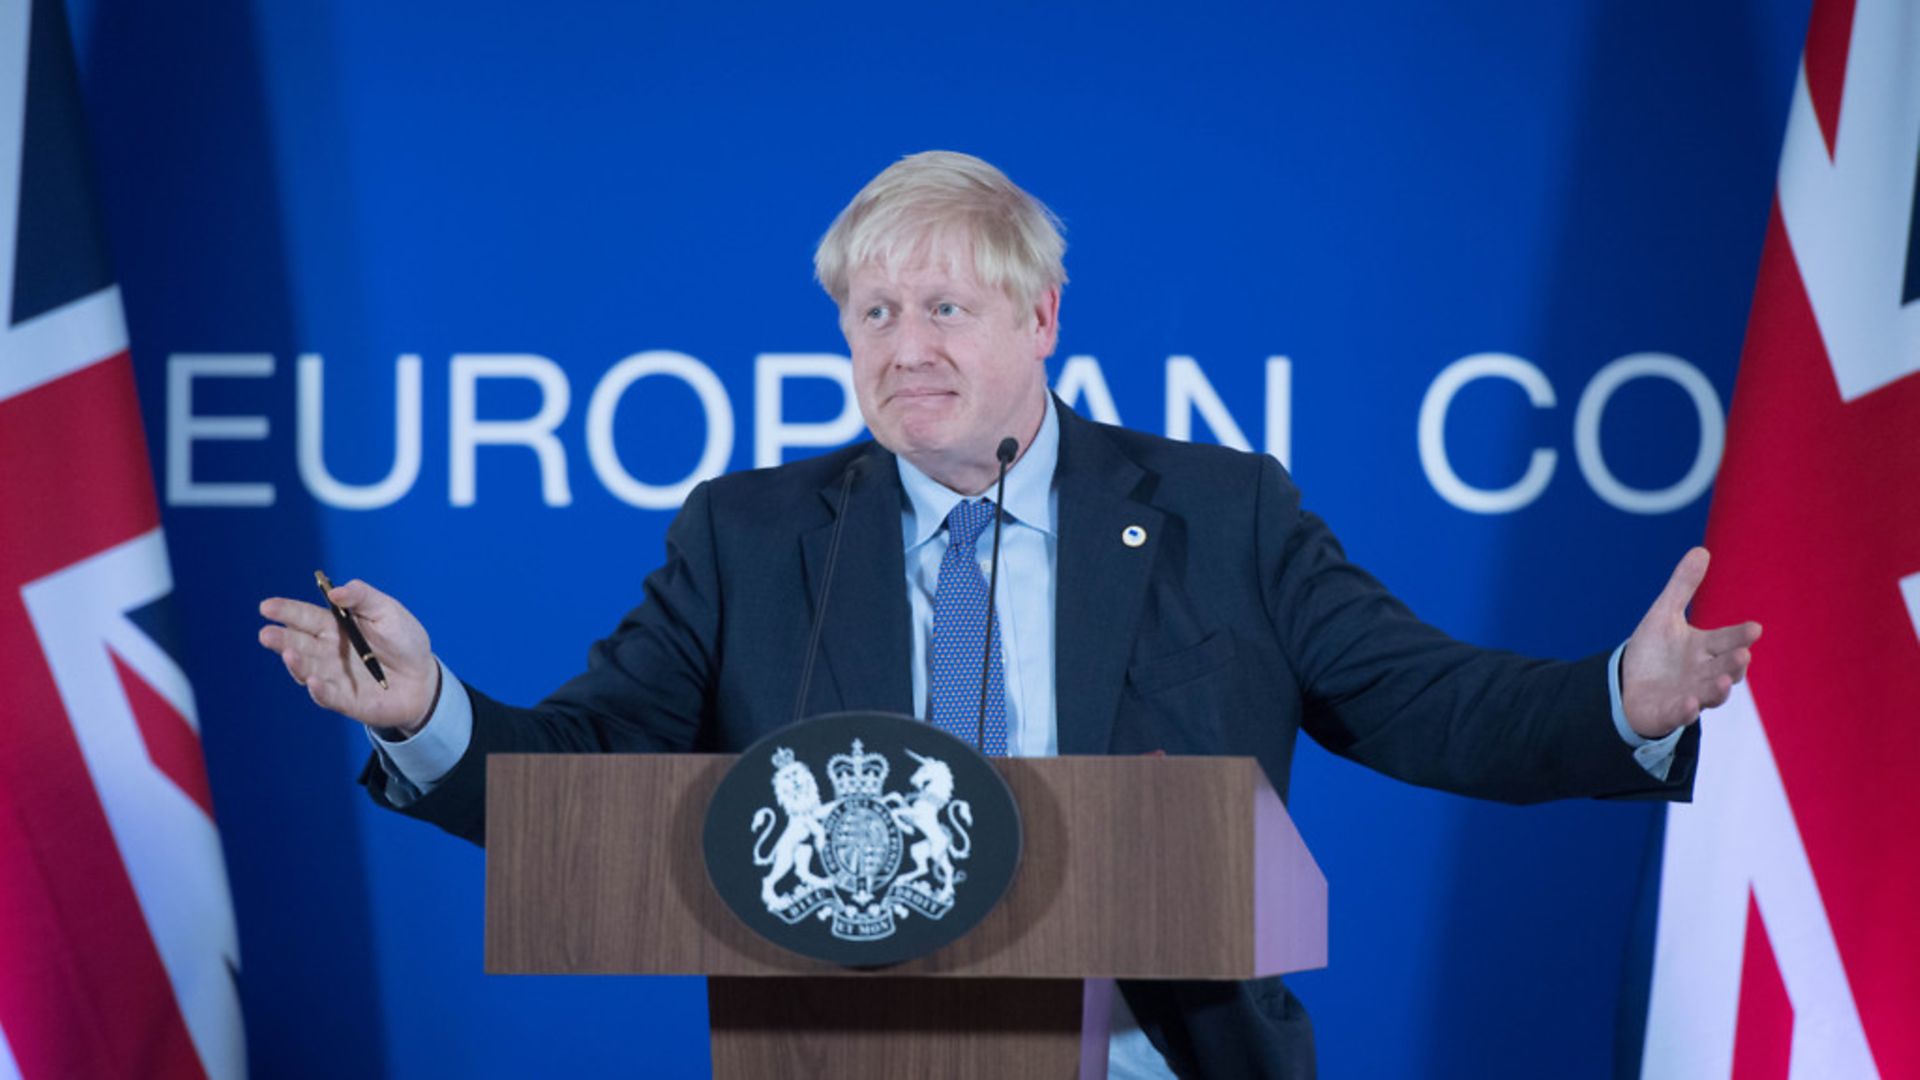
(1135,867)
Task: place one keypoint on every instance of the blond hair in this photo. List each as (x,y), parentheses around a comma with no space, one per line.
(1017,246)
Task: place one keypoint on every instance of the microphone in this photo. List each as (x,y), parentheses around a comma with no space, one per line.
(1005,453)
(826,590)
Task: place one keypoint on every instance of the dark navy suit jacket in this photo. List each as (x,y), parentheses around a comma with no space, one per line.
(1236,625)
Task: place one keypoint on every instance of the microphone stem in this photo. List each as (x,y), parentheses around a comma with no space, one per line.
(993,586)
(826,590)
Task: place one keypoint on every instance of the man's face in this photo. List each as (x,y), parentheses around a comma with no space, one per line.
(945,367)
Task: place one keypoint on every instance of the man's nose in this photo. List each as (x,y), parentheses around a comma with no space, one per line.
(916,344)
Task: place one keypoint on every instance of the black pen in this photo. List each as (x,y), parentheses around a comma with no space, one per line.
(352,630)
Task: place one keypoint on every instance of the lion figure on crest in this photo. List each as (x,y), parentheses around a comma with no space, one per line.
(798,793)
(934,853)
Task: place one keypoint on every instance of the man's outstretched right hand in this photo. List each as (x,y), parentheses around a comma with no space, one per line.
(318,656)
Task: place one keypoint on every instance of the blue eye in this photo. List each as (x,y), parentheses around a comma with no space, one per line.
(876,313)
(946,309)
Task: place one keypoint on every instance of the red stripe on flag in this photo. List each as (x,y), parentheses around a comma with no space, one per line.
(73,470)
(1815,520)
(1829,32)
(172,743)
(83,992)
(1763,1035)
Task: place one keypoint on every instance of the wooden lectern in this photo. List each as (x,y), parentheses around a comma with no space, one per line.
(1134,868)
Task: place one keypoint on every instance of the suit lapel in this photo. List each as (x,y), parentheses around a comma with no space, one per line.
(1101,581)
(866,644)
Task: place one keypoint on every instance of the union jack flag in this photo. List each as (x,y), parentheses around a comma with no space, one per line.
(1789,934)
(118,951)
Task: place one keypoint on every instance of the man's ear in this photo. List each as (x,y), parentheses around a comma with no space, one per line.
(1045,320)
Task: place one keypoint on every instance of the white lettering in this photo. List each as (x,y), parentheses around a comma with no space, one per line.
(1187,390)
(184,428)
(1280,409)
(535,432)
(1081,382)
(1586,433)
(309,425)
(1081,377)
(772,434)
(1432,434)
(606,398)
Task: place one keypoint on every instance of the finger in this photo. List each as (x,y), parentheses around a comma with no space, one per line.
(389,627)
(322,687)
(329,694)
(296,665)
(1732,665)
(305,664)
(308,660)
(313,664)
(1718,693)
(1684,583)
(288,665)
(363,600)
(307,618)
(284,641)
(1728,638)
(325,684)
(343,654)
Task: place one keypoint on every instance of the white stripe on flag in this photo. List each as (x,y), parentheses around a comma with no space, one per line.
(1737,835)
(1843,212)
(61,341)
(170,847)
(1910,590)
(9,1069)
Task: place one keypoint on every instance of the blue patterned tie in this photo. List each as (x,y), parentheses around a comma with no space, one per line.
(960,636)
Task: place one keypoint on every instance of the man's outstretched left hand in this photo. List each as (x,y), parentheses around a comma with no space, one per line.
(1672,670)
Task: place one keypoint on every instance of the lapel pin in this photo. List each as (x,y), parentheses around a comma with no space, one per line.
(1133,536)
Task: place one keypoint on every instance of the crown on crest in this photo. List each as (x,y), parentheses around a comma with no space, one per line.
(782,758)
(858,773)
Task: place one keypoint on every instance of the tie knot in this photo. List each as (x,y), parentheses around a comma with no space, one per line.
(967,520)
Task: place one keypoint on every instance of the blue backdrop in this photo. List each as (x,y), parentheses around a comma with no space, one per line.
(1372,192)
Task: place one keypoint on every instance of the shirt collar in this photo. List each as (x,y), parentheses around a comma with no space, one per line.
(1029,487)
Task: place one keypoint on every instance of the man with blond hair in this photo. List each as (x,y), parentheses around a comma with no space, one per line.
(1153,595)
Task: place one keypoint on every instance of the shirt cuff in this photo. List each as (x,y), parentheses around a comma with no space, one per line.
(415,764)
(1654,755)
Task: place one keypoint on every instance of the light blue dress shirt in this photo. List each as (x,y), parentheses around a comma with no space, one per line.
(1023,596)
(1024,602)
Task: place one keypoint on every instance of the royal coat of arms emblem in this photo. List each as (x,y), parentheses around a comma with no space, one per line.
(843,860)
(840,867)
